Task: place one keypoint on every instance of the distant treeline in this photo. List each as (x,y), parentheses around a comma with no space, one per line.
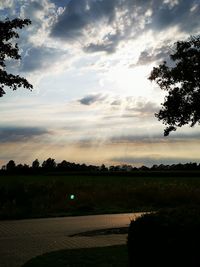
(50,165)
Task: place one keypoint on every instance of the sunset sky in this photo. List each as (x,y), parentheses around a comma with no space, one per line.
(92,102)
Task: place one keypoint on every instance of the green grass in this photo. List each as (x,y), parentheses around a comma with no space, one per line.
(99,257)
(49,195)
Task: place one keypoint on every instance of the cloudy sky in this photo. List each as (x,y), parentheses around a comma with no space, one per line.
(89,62)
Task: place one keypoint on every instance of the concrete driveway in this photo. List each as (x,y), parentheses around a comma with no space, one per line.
(22,240)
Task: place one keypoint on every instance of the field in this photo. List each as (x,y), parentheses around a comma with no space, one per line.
(60,195)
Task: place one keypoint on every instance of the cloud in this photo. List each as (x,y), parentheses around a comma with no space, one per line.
(6,4)
(42,13)
(37,52)
(142,108)
(92,98)
(78,15)
(176,12)
(108,47)
(116,102)
(158,54)
(152,160)
(154,137)
(95,26)
(120,107)
(15,134)
(101,25)
(37,58)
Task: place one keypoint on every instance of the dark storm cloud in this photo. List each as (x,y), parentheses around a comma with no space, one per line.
(124,17)
(90,99)
(13,134)
(37,58)
(80,13)
(80,17)
(179,14)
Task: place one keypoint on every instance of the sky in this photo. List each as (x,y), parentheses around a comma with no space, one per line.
(89,63)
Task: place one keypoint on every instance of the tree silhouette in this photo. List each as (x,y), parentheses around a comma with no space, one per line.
(182,82)
(49,164)
(35,164)
(10,50)
(10,166)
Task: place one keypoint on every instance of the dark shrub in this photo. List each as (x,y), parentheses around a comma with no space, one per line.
(166,238)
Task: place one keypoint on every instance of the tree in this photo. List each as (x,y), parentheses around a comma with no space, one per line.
(35,164)
(182,82)
(10,166)
(49,164)
(10,50)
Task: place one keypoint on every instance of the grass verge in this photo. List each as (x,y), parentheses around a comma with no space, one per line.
(99,257)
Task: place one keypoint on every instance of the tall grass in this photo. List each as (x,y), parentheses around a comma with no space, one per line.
(41,196)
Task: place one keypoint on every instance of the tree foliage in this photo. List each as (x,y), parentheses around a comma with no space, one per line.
(49,164)
(10,50)
(35,164)
(182,82)
(10,165)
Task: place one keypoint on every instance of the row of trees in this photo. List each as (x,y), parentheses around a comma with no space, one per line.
(50,165)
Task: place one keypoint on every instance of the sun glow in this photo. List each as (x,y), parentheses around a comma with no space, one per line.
(131,81)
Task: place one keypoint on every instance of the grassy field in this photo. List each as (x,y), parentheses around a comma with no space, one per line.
(100,257)
(49,195)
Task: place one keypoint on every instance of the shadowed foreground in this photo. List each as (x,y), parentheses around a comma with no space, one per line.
(170,237)
(23,240)
(102,257)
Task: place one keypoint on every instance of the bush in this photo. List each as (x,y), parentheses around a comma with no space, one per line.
(166,238)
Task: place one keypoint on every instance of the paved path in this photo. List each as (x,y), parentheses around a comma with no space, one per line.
(22,240)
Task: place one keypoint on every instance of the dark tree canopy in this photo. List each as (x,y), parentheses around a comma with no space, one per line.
(10,50)
(10,165)
(35,164)
(49,163)
(182,82)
